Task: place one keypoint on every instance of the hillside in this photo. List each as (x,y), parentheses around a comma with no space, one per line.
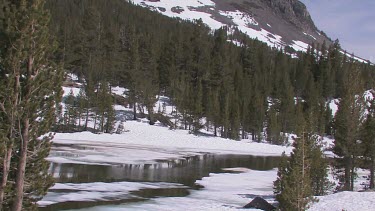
(279,23)
(240,88)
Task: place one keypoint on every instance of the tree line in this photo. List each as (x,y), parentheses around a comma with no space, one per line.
(239,85)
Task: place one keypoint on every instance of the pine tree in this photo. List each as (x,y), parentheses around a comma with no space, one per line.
(368,137)
(287,103)
(198,64)
(258,109)
(70,112)
(105,110)
(274,127)
(328,120)
(320,184)
(148,82)
(293,185)
(281,182)
(304,174)
(348,119)
(31,100)
(218,69)
(90,99)
(82,105)
(133,67)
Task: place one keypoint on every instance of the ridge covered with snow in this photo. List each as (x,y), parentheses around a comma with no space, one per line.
(257,19)
(215,17)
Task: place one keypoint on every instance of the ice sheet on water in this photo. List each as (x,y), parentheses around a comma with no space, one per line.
(98,191)
(227,191)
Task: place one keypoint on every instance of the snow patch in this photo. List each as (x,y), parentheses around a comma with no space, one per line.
(67,91)
(309,35)
(349,201)
(188,12)
(239,17)
(299,46)
(119,91)
(354,57)
(333,105)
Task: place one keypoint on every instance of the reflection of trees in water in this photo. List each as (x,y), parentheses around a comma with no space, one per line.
(183,170)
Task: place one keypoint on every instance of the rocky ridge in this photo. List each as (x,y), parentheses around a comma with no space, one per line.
(279,23)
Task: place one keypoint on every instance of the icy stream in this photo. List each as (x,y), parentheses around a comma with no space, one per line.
(161,184)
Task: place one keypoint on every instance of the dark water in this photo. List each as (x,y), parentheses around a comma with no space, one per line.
(183,171)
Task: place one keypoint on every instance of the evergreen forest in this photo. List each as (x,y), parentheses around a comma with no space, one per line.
(218,80)
(239,85)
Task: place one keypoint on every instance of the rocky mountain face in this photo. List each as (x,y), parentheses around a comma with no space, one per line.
(279,23)
(293,11)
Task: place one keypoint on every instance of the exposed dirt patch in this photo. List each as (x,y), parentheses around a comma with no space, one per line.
(177,9)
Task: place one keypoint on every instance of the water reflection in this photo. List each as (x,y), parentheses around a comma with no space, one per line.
(185,170)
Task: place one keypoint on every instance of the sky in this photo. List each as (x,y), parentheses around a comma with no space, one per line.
(351,21)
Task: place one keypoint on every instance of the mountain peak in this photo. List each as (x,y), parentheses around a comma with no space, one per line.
(293,11)
(279,23)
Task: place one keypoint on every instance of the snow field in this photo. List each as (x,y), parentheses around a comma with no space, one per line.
(349,201)
(145,143)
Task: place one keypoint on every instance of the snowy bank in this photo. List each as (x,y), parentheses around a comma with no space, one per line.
(145,142)
(349,201)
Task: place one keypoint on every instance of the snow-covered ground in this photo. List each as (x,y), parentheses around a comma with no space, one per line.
(145,143)
(349,201)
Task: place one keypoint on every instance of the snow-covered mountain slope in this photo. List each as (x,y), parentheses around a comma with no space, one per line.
(279,23)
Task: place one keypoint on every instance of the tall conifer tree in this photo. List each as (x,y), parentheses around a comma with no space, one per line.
(348,119)
(368,137)
(29,101)
(293,185)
